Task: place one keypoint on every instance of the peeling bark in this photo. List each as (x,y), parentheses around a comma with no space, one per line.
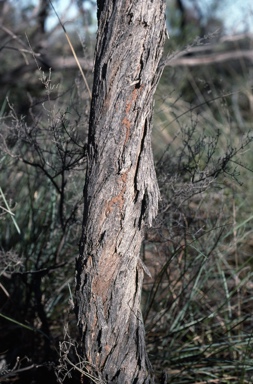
(121,192)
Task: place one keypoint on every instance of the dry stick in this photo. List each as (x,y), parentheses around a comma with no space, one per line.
(93,378)
(73,51)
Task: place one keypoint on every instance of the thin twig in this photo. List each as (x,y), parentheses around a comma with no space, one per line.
(73,51)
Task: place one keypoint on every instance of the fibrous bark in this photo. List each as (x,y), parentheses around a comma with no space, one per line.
(121,192)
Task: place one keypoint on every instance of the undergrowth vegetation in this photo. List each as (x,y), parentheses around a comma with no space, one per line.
(42,171)
(198,299)
(198,303)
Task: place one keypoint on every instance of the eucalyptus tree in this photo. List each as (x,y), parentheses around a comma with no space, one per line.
(121,192)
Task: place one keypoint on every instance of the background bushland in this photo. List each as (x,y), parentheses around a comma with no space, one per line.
(197,295)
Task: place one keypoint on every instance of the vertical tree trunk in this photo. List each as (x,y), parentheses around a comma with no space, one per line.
(121,192)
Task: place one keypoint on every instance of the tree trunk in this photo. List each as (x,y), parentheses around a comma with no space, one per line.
(121,192)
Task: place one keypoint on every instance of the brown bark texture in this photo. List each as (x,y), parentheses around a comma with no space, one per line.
(121,192)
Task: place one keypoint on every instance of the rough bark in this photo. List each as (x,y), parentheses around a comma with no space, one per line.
(121,192)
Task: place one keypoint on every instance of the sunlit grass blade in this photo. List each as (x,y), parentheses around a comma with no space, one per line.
(9,211)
